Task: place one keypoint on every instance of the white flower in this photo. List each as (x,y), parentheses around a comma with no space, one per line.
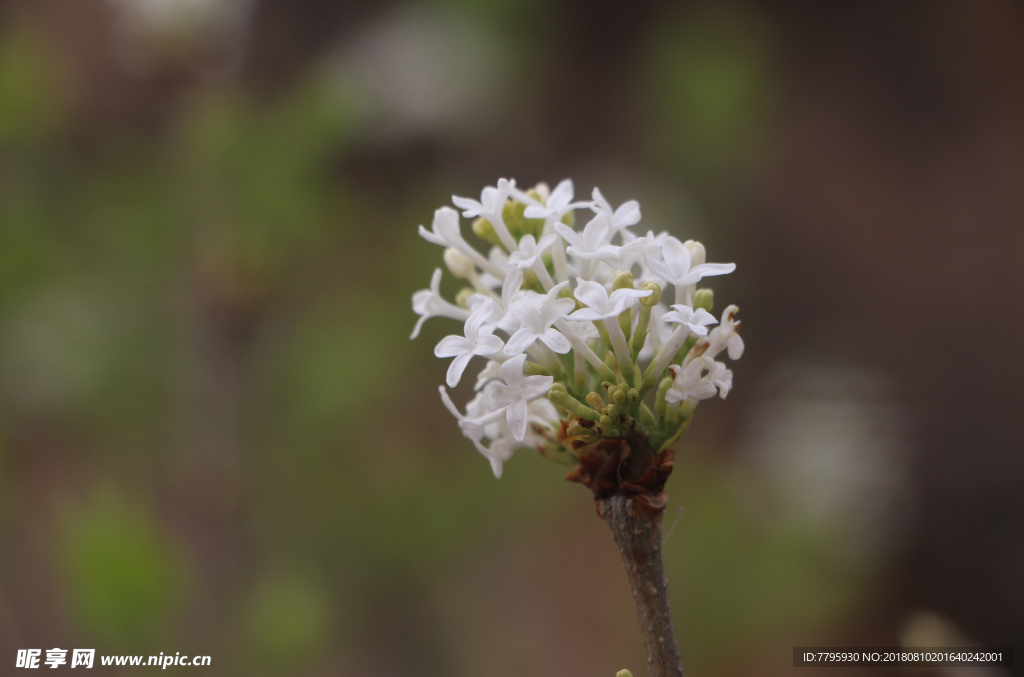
(621,257)
(557,205)
(529,250)
(492,202)
(446,232)
(477,341)
(487,374)
(694,320)
(721,378)
(690,382)
(585,245)
(675,265)
(428,303)
(538,312)
(726,336)
(601,305)
(628,213)
(516,391)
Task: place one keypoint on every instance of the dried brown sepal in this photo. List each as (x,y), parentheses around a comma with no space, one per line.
(607,469)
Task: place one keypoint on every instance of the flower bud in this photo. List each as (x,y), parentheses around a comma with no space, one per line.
(594,400)
(623,673)
(655,296)
(462,297)
(483,229)
(457,262)
(697,254)
(623,280)
(704,298)
(541,192)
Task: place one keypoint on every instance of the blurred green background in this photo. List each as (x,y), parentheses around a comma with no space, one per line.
(216,437)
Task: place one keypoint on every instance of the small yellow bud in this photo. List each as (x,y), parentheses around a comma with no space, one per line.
(623,673)
(462,298)
(457,262)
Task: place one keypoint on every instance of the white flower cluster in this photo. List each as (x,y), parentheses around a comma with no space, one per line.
(577,323)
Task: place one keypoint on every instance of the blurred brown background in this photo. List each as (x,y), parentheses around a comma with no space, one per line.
(216,438)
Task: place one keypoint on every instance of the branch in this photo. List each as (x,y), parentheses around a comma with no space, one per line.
(637,531)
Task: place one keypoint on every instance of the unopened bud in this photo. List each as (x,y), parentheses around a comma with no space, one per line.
(462,298)
(623,280)
(654,297)
(613,411)
(457,262)
(483,229)
(697,254)
(619,397)
(594,400)
(705,298)
(623,673)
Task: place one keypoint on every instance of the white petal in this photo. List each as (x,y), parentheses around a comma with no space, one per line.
(554,340)
(735,347)
(432,237)
(456,368)
(591,294)
(536,386)
(587,315)
(452,345)
(520,341)
(568,234)
(516,417)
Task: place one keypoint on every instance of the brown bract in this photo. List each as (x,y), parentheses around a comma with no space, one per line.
(622,466)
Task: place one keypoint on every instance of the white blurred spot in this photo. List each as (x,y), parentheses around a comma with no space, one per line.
(418,72)
(826,453)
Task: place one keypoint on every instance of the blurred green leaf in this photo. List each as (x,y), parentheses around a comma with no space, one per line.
(31,105)
(123,573)
(287,620)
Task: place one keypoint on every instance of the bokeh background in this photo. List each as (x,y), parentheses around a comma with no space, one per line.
(216,437)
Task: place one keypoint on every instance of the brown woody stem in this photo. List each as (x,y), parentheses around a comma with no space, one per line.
(637,532)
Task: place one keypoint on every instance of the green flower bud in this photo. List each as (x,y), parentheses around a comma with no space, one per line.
(623,280)
(512,215)
(594,400)
(483,229)
(558,395)
(705,298)
(618,396)
(623,673)
(613,412)
(654,298)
